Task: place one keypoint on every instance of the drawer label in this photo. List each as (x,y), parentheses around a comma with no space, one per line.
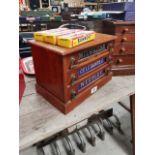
(91,79)
(91,66)
(93,90)
(92,51)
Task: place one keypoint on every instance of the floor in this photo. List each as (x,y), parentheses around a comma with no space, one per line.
(116,144)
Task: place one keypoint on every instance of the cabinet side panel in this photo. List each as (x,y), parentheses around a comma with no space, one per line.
(108,28)
(66,75)
(48,68)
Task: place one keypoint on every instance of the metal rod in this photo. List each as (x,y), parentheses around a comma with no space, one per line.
(124,106)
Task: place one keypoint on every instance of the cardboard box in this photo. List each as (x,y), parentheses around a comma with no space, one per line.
(75,39)
(40,35)
(51,37)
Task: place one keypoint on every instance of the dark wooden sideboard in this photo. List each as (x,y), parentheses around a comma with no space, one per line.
(66,77)
(124,46)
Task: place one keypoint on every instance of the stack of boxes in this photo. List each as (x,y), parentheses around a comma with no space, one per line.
(64,37)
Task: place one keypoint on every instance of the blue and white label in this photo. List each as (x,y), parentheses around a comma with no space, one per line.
(92,51)
(91,79)
(92,66)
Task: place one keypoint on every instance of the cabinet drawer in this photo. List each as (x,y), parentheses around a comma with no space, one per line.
(125,38)
(124,48)
(124,60)
(83,70)
(88,55)
(86,82)
(124,29)
(123,70)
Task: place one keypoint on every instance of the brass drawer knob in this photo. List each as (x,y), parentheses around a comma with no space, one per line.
(107,71)
(72,61)
(119,61)
(124,39)
(126,30)
(111,49)
(73,94)
(122,50)
(73,79)
(110,61)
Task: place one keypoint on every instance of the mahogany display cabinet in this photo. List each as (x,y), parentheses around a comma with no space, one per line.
(124,47)
(66,77)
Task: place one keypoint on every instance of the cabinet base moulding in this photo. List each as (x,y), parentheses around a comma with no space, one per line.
(71,104)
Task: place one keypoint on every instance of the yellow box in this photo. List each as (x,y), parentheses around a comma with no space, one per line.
(40,36)
(51,37)
(76,39)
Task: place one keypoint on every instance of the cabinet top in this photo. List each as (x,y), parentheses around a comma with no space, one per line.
(100,38)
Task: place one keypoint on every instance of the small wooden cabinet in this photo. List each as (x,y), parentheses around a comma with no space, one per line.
(66,77)
(124,47)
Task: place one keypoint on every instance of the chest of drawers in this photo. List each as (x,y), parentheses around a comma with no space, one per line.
(124,46)
(65,77)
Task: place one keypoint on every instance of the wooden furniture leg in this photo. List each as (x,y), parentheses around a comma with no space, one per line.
(132,107)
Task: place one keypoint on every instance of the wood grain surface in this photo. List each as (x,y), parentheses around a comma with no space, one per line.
(100,38)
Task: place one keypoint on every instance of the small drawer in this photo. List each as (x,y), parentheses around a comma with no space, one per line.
(124,60)
(82,70)
(124,29)
(85,56)
(123,70)
(125,38)
(86,82)
(124,48)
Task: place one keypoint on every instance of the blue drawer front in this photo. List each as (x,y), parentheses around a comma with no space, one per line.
(90,67)
(92,51)
(91,79)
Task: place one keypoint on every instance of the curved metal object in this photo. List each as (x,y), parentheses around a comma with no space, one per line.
(117,120)
(56,147)
(71,150)
(109,126)
(40,151)
(101,133)
(82,145)
(110,123)
(92,138)
(75,25)
(117,124)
